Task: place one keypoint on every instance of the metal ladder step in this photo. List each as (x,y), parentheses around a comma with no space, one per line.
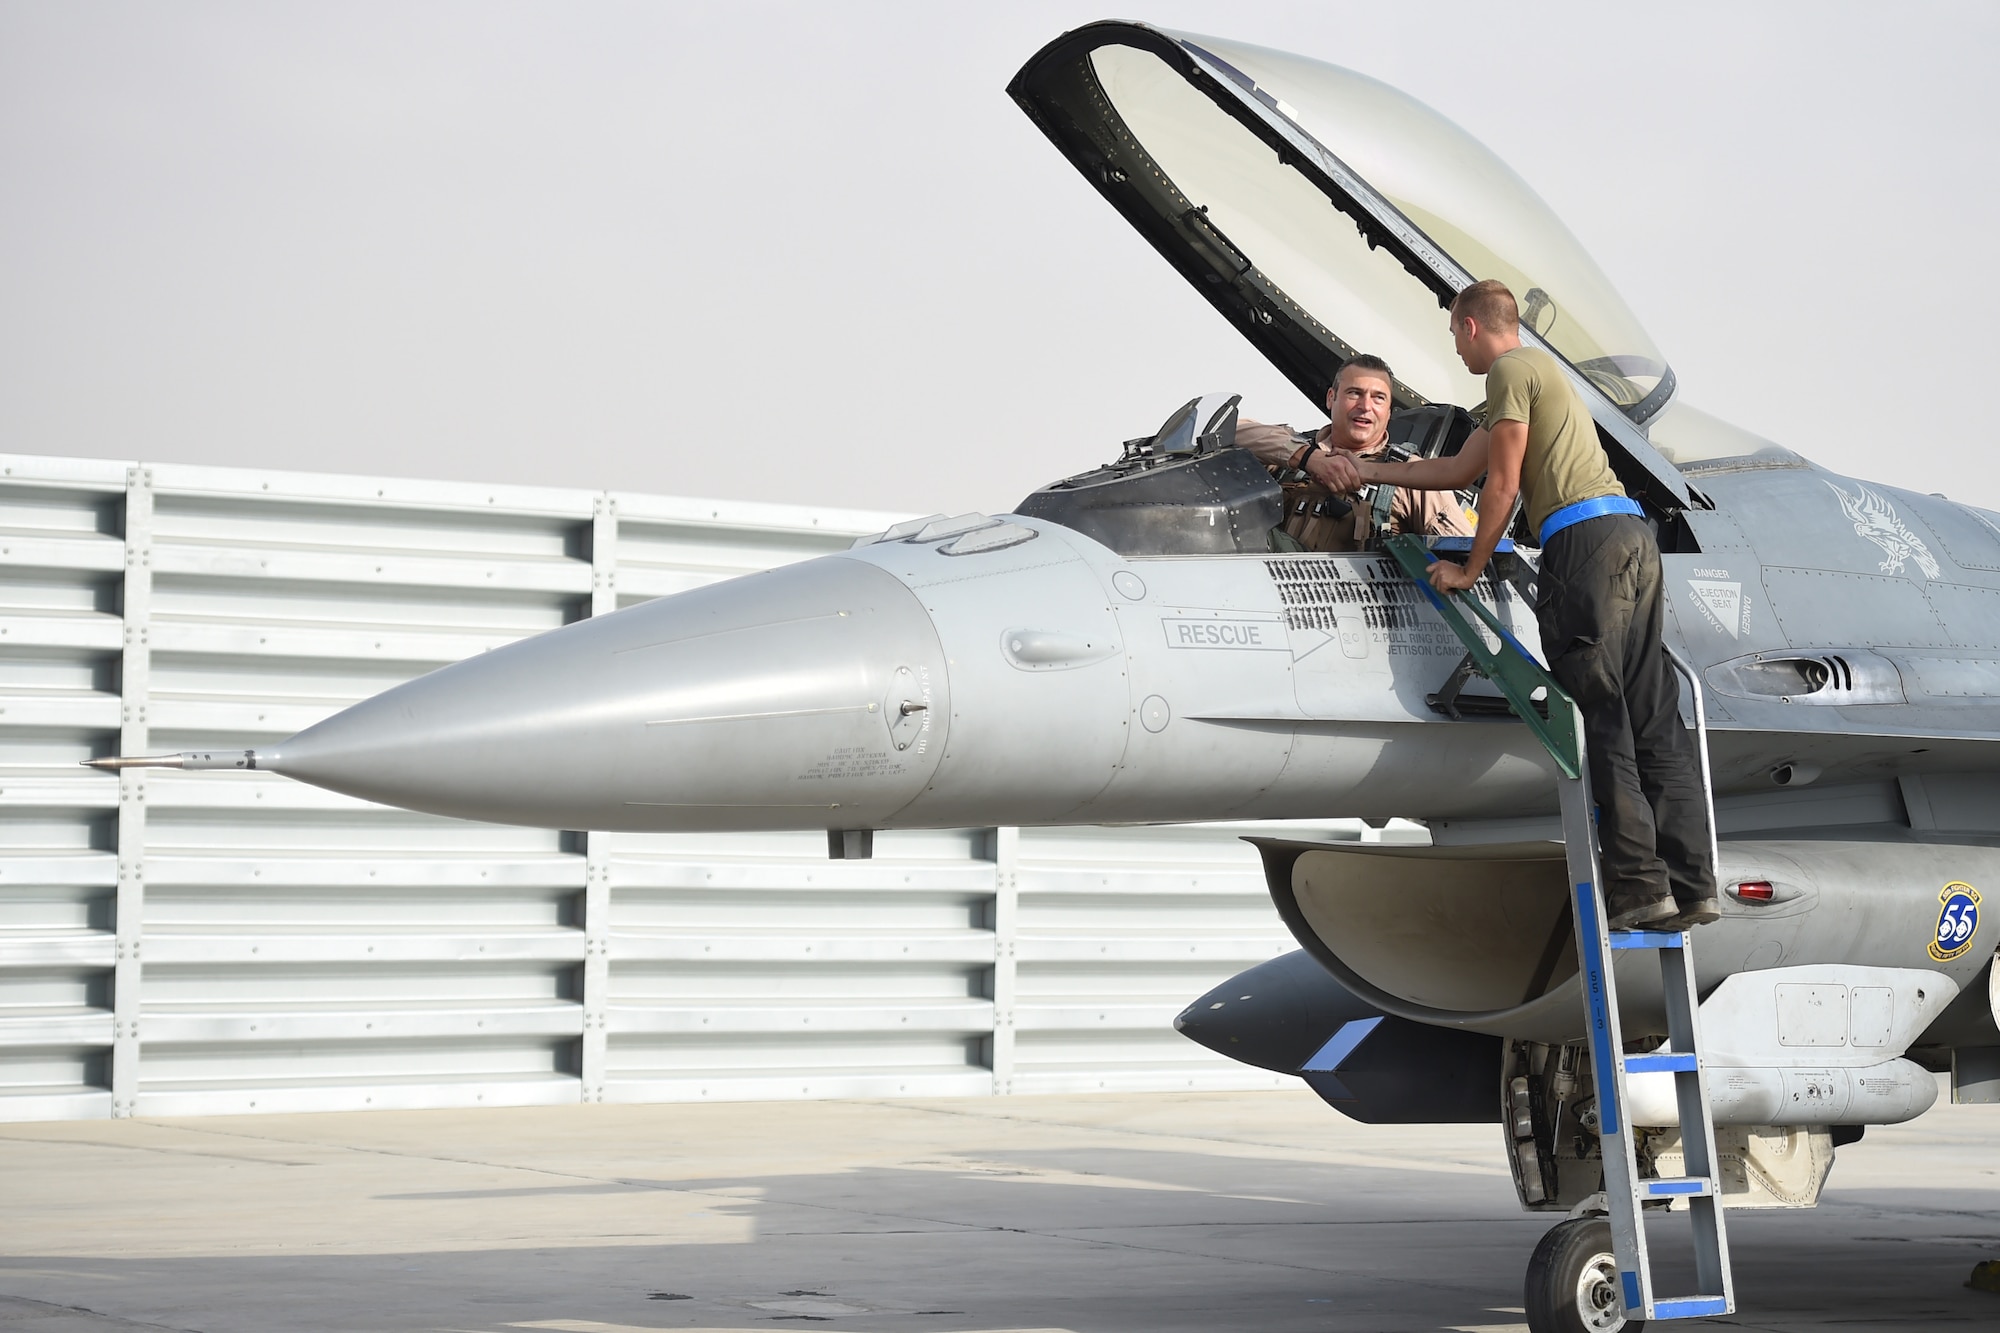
(1690,1307)
(1519,677)
(1645,939)
(1660,1062)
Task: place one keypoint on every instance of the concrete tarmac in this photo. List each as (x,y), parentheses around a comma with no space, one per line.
(1092,1214)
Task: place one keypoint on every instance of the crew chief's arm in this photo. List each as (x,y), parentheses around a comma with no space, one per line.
(1342,473)
(1507,445)
(1496,452)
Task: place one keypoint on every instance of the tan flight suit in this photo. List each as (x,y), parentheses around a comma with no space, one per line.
(1428,513)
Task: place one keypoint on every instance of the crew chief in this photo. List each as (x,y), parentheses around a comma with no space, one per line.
(1598,603)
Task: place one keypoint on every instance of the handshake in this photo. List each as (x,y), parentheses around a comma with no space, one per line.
(1335,469)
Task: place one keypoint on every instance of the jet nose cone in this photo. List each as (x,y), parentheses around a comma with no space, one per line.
(807,697)
(1274,1016)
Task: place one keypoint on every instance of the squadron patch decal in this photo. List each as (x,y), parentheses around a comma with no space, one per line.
(1876,519)
(1958,921)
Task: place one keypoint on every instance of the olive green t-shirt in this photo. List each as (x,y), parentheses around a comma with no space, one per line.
(1564,463)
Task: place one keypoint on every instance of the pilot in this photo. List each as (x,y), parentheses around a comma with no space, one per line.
(1359,403)
(1598,603)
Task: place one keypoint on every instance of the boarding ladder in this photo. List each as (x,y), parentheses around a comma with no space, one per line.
(1514,670)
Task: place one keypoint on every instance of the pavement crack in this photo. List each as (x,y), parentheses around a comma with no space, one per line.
(400,1155)
(147,1147)
(1302,1152)
(1369,1223)
(57,1308)
(664,1187)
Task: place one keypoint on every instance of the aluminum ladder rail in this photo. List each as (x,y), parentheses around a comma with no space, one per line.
(1517,674)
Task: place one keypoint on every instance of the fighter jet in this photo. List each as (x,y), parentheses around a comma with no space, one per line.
(1131,645)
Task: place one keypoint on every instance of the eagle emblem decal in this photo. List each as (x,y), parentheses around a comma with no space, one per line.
(1876,519)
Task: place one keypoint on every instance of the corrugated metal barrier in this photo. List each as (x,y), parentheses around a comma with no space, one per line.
(177,944)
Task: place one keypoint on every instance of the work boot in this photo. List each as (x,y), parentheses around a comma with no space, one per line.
(1634,911)
(1693,912)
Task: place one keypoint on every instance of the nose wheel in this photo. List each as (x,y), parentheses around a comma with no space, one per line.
(1573,1282)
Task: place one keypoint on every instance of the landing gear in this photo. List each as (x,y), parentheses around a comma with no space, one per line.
(1573,1281)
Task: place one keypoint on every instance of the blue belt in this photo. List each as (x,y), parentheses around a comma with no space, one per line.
(1597,507)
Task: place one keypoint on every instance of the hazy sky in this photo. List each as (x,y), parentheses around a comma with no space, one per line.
(812,253)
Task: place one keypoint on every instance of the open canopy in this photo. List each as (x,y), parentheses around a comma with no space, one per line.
(1328,214)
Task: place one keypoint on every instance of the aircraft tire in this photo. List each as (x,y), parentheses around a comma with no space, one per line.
(1572,1281)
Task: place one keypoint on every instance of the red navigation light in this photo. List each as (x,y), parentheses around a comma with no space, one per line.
(1753,891)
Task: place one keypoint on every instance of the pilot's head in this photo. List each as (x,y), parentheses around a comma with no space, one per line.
(1484,323)
(1360,401)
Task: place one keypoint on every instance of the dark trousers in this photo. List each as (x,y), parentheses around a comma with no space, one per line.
(1598,601)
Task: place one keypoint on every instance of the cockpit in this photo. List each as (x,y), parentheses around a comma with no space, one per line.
(1187,490)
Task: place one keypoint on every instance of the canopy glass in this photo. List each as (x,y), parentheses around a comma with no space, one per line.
(1283,224)
(1462,196)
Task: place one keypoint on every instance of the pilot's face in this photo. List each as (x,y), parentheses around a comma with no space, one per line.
(1359,405)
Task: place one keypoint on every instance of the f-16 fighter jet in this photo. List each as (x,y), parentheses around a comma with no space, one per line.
(1133,644)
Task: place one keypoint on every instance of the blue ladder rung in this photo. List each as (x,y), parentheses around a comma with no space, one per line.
(1648,939)
(1690,1307)
(1660,1062)
(1678,1186)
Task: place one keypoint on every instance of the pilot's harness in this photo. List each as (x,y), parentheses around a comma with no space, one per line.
(1319,520)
